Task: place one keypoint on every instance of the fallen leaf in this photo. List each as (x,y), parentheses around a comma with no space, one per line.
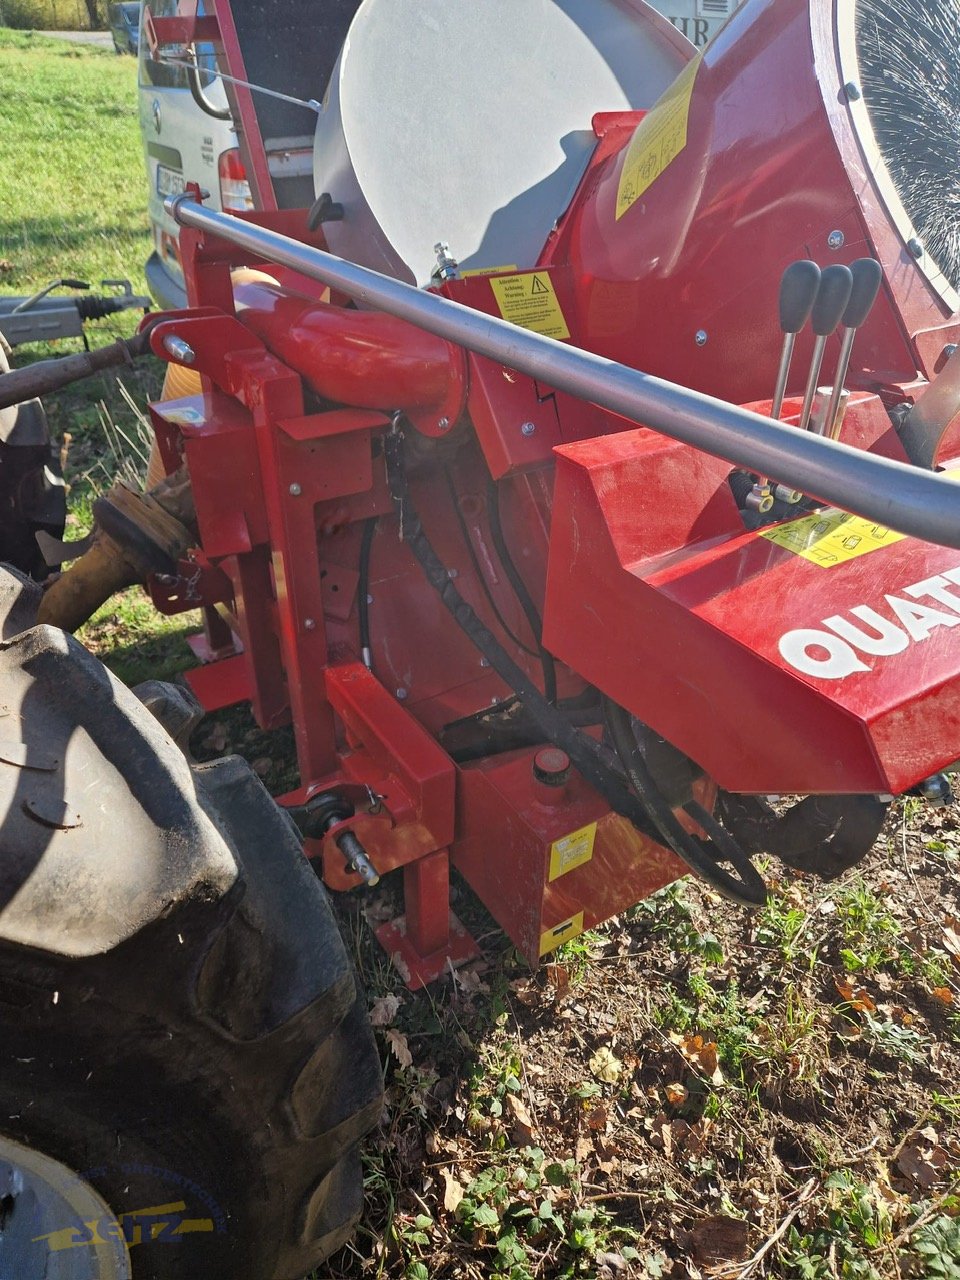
(558,976)
(597,1119)
(583,1150)
(677,1094)
(614,1261)
(951,938)
(453,1192)
(384,1010)
(857,999)
(521,1124)
(605,1065)
(701,1054)
(943,994)
(399,1047)
(922,1158)
(719,1239)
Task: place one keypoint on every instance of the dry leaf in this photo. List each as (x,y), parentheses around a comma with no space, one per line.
(583,1150)
(597,1119)
(399,1047)
(452,1191)
(384,1010)
(857,999)
(677,1094)
(922,1158)
(951,938)
(521,1124)
(719,1239)
(558,976)
(701,1054)
(943,994)
(605,1065)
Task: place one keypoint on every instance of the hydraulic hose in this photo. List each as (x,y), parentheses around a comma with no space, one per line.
(584,751)
(520,589)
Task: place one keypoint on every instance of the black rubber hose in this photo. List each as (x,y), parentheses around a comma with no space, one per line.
(747,887)
(363,591)
(520,588)
(584,751)
(474,560)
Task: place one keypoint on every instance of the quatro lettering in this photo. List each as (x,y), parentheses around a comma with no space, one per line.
(844,643)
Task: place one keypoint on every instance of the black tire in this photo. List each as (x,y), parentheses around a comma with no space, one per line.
(32,494)
(212,1072)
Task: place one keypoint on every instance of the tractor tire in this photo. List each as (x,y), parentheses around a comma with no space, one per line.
(180,1025)
(32,493)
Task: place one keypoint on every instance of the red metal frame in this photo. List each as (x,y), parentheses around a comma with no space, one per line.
(652,589)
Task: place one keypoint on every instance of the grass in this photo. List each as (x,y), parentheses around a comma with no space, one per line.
(72,191)
(74,204)
(47,15)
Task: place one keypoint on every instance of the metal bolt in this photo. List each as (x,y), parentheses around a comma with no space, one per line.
(852,90)
(836,240)
(915,247)
(700,337)
(949,350)
(369,599)
(181,351)
(527,428)
(484,662)
(295,490)
(453,573)
(309,624)
(443,424)
(401,694)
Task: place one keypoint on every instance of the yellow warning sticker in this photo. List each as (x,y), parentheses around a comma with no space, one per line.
(572,850)
(529,301)
(831,537)
(660,137)
(487,271)
(562,932)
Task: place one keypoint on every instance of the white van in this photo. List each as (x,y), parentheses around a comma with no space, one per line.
(290,45)
(182,143)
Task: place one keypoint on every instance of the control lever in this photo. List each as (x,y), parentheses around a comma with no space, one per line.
(867,276)
(798,292)
(836,285)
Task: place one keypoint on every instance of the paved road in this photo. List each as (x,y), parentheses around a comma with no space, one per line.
(101,38)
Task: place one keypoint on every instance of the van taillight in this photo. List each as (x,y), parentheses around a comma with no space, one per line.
(235,194)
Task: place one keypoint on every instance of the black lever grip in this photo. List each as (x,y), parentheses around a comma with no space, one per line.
(867,274)
(836,285)
(798,292)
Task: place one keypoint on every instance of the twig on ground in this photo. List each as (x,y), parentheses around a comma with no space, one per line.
(749,1267)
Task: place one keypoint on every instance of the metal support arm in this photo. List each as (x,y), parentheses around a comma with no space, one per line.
(899,496)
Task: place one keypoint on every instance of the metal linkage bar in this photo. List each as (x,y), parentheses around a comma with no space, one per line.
(899,496)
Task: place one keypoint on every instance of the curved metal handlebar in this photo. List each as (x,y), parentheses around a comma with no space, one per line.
(895,494)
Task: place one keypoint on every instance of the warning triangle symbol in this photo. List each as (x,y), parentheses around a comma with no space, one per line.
(538,286)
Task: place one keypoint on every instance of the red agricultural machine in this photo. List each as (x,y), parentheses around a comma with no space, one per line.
(564,541)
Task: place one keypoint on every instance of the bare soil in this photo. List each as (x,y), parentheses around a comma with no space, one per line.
(692,1090)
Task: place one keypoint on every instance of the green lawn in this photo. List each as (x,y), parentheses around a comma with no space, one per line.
(73,202)
(72,185)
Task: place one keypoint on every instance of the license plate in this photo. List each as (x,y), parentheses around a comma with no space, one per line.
(170,182)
